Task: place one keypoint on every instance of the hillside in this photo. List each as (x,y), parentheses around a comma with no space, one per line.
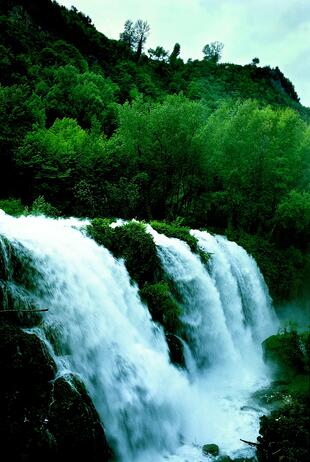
(93,127)
(46,34)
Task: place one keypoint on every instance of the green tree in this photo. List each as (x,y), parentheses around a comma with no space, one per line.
(213,51)
(255,157)
(159,53)
(20,110)
(53,161)
(160,140)
(85,96)
(135,35)
(175,53)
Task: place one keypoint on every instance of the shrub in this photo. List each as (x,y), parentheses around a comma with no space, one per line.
(12,206)
(132,243)
(41,207)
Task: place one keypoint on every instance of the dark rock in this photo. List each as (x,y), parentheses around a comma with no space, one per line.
(175,350)
(285,433)
(42,418)
(244,459)
(211,449)
(75,423)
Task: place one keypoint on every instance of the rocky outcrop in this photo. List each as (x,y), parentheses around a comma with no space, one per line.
(41,417)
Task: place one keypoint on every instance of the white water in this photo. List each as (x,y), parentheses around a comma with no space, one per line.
(105,334)
(244,295)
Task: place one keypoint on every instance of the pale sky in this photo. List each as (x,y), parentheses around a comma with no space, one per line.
(275,31)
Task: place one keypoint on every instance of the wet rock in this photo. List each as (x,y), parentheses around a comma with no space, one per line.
(175,350)
(75,423)
(210,449)
(42,418)
(245,459)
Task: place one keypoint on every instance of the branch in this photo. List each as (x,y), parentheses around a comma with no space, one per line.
(250,442)
(22,311)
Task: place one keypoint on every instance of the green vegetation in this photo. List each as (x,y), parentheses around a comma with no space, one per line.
(183,233)
(179,232)
(96,127)
(284,354)
(12,207)
(162,305)
(132,243)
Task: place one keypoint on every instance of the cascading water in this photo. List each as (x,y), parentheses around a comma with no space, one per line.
(225,320)
(244,295)
(106,335)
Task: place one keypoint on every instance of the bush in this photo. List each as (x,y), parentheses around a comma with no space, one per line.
(132,243)
(12,206)
(41,207)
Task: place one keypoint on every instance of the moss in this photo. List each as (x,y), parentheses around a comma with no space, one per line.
(182,233)
(179,232)
(132,243)
(284,354)
(162,305)
(211,449)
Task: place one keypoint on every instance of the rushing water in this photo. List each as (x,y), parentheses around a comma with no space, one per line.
(151,410)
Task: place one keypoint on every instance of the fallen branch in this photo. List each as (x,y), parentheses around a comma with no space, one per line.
(250,442)
(22,311)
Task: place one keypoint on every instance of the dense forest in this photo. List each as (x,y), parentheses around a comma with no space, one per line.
(97,127)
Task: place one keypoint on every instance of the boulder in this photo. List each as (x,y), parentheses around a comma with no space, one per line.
(210,449)
(43,418)
(283,353)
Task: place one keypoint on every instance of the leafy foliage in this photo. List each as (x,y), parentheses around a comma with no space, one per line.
(12,206)
(132,243)
(98,128)
(162,305)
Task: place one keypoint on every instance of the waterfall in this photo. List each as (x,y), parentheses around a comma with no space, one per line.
(244,295)
(151,409)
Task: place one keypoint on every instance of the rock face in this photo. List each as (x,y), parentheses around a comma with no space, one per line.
(43,418)
(175,350)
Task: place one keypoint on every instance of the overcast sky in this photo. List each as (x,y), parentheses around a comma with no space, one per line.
(275,31)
